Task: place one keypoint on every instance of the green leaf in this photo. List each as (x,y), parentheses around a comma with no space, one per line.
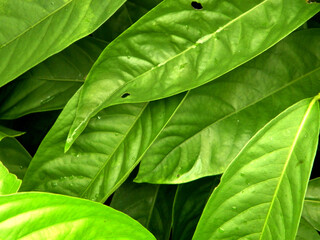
(306,231)
(49,216)
(90,169)
(52,83)
(189,203)
(149,204)
(175,48)
(34,28)
(311,208)
(129,13)
(229,111)
(8,182)
(261,193)
(14,156)
(6,132)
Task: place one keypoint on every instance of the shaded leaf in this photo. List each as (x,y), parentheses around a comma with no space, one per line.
(8,182)
(175,48)
(7,132)
(311,208)
(39,29)
(261,193)
(189,203)
(151,205)
(49,216)
(14,156)
(306,231)
(52,83)
(229,111)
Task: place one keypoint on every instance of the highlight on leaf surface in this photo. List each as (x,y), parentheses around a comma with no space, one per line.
(262,191)
(151,65)
(8,182)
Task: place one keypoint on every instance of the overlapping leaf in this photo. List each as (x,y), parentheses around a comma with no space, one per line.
(306,231)
(32,31)
(176,47)
(52,83)
(8,182)
(114,141)
(7,132)
(149,204)
(49,216)
(261,193)
(216,121)
(311,208)
(189,203)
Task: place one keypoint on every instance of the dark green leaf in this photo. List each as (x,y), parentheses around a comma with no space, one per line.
(189,203)
(6,132)
(14,156)
(49,216)
(261,193)
(32,31)
(311,208)
(219,118)
(175,48)
(151,205)
(52,83)
(306,231)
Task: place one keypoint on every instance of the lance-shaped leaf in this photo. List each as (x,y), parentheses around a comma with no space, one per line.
(41,28)
(8,182)
(311,208)
(189,203)
(219,118)
(14,156)
(130,130)
(261,193)
(149,204)
(178,46)
(50,216)
(103,156)
(50,85)
(306,231)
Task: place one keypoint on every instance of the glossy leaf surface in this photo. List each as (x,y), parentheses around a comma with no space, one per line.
(261,193)
(176,48)
(311,208)
(50,85)
(189,203)
(49,216)
(229,111)
(149,204)
(14,156)
(306,231)
(34,28)
(8,182)
(104,155)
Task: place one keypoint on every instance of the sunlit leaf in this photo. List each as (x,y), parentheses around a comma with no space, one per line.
(49,216)
(8,182)
(216,121)
(261,193)
(178,46)
(32,31)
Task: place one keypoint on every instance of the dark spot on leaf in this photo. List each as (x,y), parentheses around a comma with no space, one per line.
(196,5)
(125,95)
(178,175)
(313,1)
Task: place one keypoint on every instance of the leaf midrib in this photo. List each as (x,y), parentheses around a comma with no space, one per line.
(286,165)
(35,24)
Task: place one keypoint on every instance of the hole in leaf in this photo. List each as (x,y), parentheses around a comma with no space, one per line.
(196,5)
(313,1)
(125,95)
